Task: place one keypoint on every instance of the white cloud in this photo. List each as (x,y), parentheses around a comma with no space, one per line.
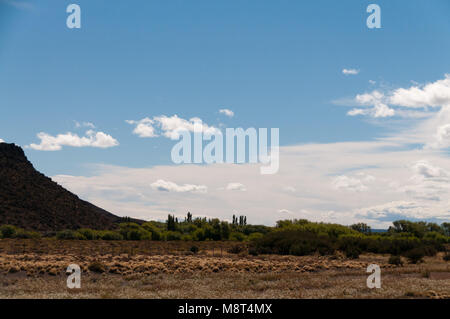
(387,104)
(350,71)
(236,187)
(2,141)
(227,112)
(434,94)
(166,186)
(144,127)
(378,108)
(284,211)
(56,143)
(170,127)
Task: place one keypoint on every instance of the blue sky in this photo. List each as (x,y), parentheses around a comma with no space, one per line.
(273,63)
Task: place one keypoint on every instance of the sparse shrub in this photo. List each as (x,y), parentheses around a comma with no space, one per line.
(446,256)
(69,234)
(186,238)
(194,249)
(415,255)
(253,251)
(352,252)
(8,231)
(430,251)
(96,267)
(27,234)
(395,260)
(236,249)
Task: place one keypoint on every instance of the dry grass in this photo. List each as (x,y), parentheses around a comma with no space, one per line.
(36,269)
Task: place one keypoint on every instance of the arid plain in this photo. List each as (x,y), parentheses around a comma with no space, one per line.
(37,269)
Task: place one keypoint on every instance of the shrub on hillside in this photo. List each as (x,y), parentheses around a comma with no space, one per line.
(8,231)
(89,234)
(69,234)
(27,234)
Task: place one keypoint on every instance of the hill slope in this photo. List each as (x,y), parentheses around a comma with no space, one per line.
(31,200)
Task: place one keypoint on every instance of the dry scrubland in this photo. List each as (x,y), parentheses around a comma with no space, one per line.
(36,269)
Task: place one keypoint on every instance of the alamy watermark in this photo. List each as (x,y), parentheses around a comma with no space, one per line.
(236,146)
(74,278)
(374,280)
(374,20)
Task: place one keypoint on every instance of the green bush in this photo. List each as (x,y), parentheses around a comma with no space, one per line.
(254,236)
(153,229)
(110,235)
(89,234)
(235,236)
(138,234)
(352,245)
(293,241)
(172,235)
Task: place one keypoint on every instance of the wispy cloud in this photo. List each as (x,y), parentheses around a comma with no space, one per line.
(350,71)
(166,186)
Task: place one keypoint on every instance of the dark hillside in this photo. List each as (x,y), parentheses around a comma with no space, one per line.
(30,200)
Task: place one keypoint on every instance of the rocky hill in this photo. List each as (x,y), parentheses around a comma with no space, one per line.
(30,200)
